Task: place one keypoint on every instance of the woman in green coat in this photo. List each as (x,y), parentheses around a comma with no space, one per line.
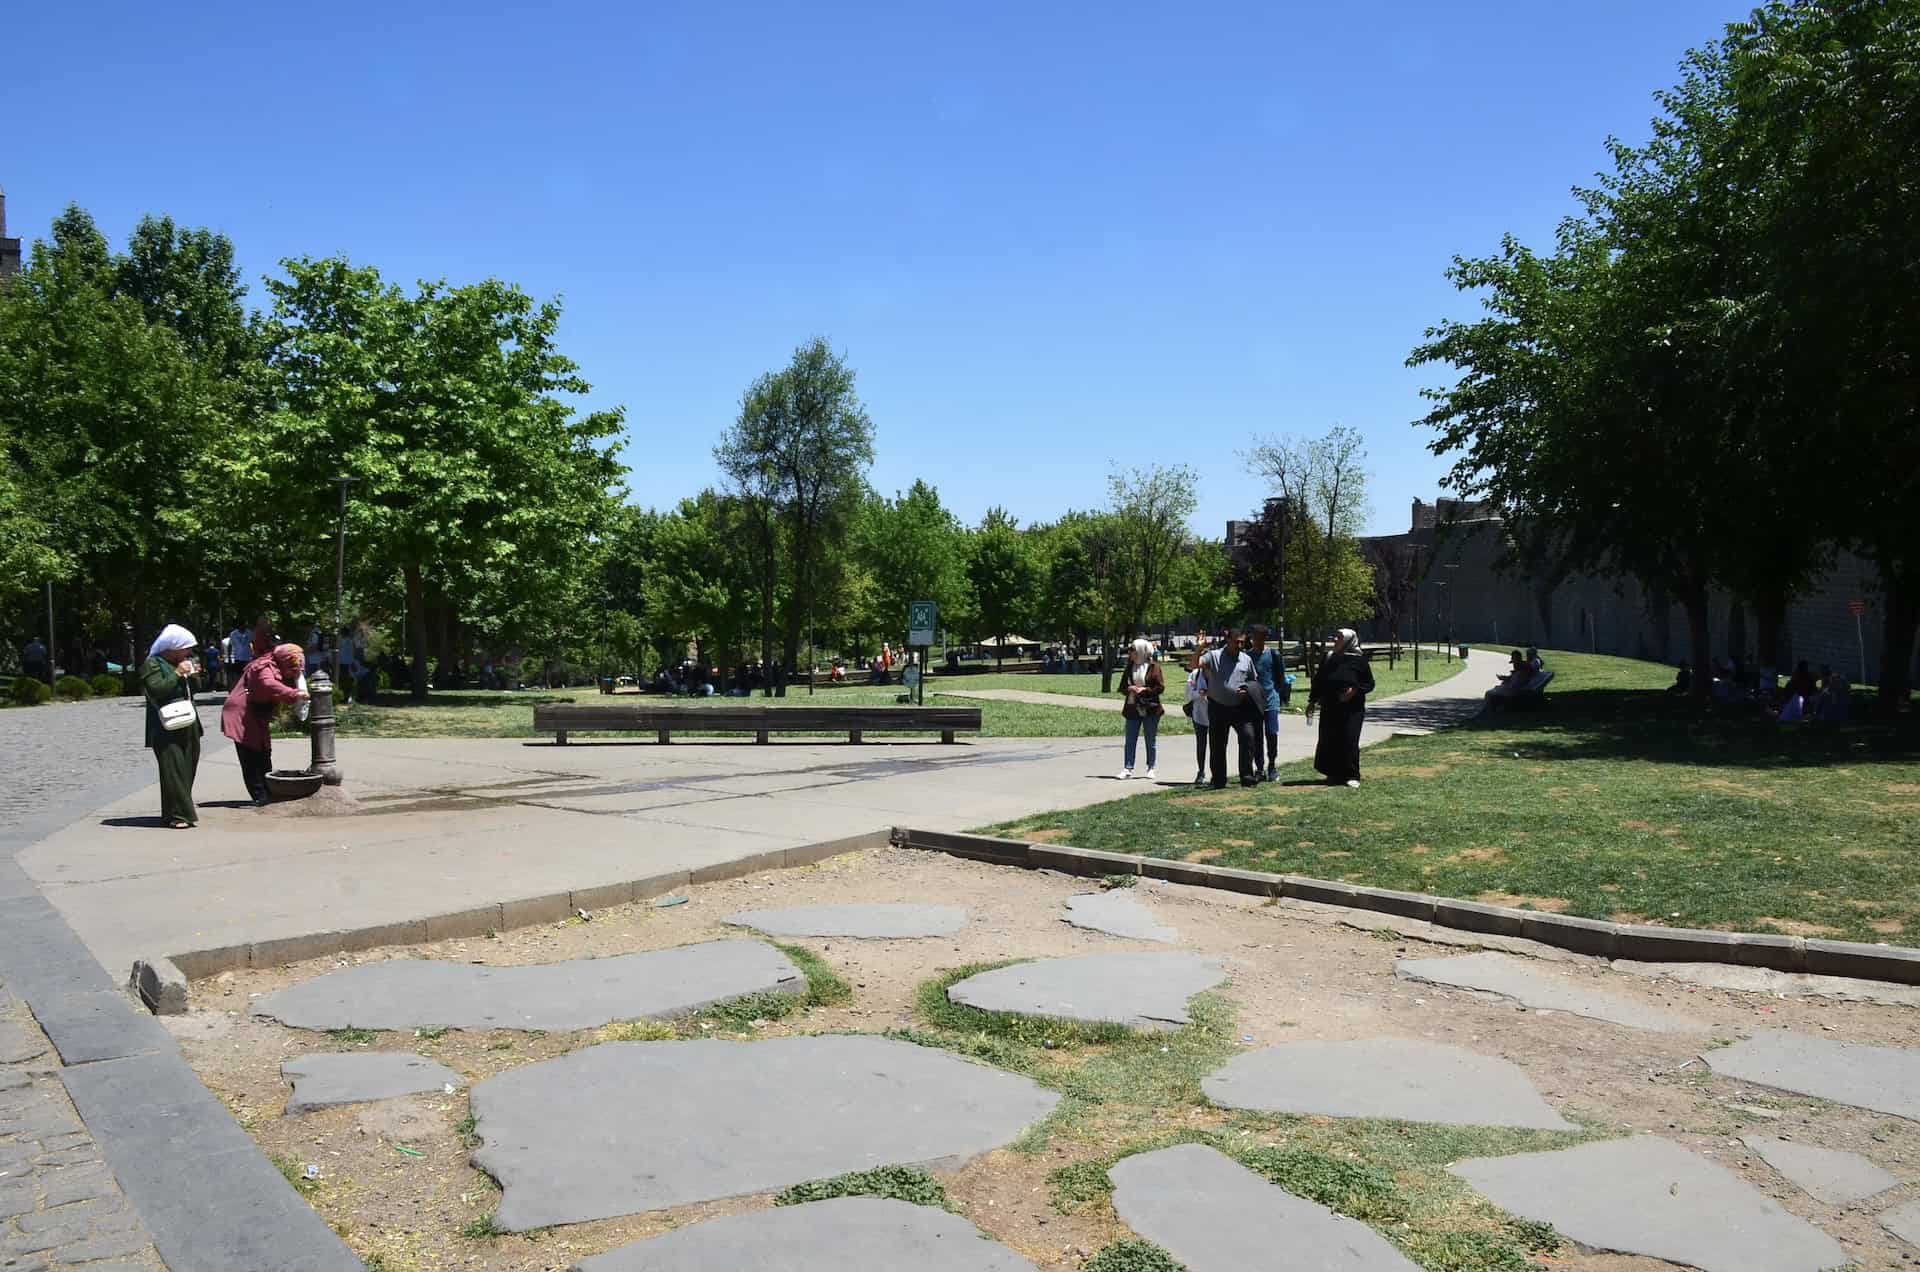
(167,676)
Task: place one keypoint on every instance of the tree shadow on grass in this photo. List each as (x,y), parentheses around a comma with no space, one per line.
(1652,726)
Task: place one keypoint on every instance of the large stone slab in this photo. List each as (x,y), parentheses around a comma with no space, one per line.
(1384,1078)
(1118,914)
(879,920)
(1146,991)
(1885,1079)
(1826,1174)
(353,1077)
(582,994)
(1764,980)
(1215,1215)
(627,1127)
(1510,977)
(1644,1195)
(846,1234)
(1904,1222)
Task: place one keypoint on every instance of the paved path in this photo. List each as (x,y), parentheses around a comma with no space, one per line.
(60,1206)
(453,824)
(1035,697)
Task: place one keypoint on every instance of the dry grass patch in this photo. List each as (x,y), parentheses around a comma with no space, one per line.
(1521,901)
(1202,854)
(1791,927)
(1479,854)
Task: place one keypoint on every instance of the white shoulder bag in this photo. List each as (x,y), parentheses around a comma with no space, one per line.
(178,714)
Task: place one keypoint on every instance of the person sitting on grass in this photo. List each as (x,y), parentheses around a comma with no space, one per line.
(1682,681)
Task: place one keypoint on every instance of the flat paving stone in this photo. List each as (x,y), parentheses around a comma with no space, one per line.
(1118,914)
(355,1077)
(1885,1079)
(1146,991)
(1511,977)
(846,1234)
(1385,1078)
(1215,1215)
(1645,1195)
(627,1127)
(883,920)
(1825,1174)
(581,994)
(1904,1222)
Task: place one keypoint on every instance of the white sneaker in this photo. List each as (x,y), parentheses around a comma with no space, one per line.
(1150,776)
(1354,782)
(1124,774)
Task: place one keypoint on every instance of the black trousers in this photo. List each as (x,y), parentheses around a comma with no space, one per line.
(1240,721)
(254,766)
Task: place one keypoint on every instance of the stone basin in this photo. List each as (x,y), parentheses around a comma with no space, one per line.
(292,783)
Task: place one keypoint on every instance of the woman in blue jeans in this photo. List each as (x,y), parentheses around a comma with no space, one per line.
(1142,687)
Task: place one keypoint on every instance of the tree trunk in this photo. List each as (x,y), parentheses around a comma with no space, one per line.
(1694,597)
(1896,649)
(1769,617)
(1106,661)
(417,630)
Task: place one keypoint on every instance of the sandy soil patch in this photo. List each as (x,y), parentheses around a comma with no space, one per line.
(1553,905)
(1297,972)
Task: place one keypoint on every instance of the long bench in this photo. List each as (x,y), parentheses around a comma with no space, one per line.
(664,721)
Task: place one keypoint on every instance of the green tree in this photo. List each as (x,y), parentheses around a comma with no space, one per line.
(701,576)
(798,452)
(106,418)
(914,550)
(1205,584)
(1148,534)
(1001,570)
(1822,93)
(475,482)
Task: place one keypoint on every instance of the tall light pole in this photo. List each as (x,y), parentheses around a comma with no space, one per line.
(340,571)
(53,656)
(1453,602)
(1413,573)
(1441,603)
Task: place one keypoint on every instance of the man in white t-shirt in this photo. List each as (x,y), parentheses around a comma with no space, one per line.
(239,648)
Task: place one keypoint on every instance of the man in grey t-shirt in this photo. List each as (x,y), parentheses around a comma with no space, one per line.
(1234,700)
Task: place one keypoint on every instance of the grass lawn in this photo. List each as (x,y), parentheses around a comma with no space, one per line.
(1613,801)
(478,713)
(486,714)
(1390,680)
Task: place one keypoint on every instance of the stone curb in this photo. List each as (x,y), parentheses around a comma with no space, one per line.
(503,916)
(1638,942)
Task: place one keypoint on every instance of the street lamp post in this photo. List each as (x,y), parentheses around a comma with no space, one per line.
(1413,574)
(53,655)
(1441,603)
(1453,603)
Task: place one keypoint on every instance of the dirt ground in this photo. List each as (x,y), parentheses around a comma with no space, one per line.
(395,1182)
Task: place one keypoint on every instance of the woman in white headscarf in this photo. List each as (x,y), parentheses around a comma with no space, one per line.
(173,726)
(1340,690)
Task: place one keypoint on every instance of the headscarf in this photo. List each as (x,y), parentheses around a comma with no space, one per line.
(1346,641)
(172,637)
(290,659)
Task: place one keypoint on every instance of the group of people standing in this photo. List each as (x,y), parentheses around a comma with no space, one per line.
(260,685)
(1239,690)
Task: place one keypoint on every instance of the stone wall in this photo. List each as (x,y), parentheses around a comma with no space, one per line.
(1492,604)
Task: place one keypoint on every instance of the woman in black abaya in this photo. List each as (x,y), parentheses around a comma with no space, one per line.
(1340,696)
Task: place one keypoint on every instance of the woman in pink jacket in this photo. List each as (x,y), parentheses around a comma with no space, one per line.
(247,717)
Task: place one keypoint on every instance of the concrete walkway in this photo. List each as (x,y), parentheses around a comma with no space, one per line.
(451,824)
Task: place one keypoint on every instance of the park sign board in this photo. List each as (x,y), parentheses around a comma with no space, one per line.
(921,618)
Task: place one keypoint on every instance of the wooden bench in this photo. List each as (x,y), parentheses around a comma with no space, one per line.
(1534,694)
(664,721)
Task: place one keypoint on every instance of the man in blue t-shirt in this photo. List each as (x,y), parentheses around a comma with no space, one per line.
(1271,669)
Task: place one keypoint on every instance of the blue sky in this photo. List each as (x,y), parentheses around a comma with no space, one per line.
(1051,238)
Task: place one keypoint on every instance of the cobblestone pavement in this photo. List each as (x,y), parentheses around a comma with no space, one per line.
(59,1204)
(58,753)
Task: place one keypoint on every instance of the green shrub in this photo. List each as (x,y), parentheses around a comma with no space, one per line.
(73,688)
(106,686)
(897,1183)
(30,692)
(1134,1256)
